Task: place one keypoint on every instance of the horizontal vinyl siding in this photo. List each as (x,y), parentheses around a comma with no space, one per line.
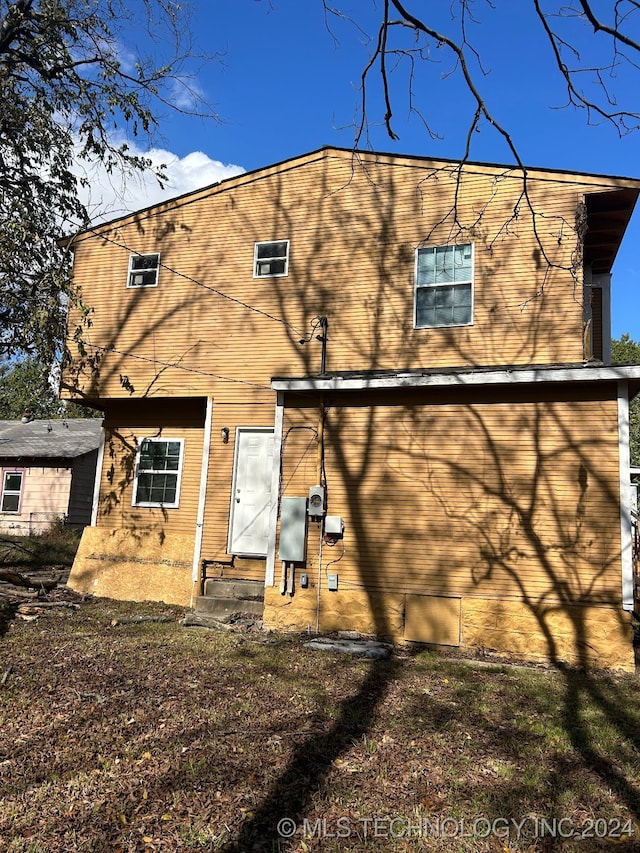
(496,500)
(220,475)
(299,440)
(115,510)
(45,497)
(300,443)
(353,240)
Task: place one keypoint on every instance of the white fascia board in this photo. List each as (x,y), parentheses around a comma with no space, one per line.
(95,504)
(514,376)
(270,568)
(202,493)
(626,527)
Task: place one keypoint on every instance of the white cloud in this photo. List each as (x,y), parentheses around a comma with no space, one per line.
(186,93)
(111,195)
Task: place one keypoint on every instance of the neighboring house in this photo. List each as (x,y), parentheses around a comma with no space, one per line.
(48,473)
(416,349)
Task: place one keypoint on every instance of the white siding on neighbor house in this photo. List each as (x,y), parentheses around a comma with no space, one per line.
(45,497)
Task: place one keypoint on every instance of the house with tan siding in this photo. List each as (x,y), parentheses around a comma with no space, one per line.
(48,472)
(377,386)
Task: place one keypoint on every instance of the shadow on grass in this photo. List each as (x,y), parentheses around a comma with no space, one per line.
(580,687)
(310,762)
(7,615)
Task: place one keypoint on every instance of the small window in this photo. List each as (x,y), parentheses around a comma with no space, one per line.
(444,286)
(143,270)
(158,471)
(11,490)
(271,259)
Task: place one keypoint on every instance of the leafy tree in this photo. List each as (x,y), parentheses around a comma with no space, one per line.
(625,350)
(77,77)
(29,386)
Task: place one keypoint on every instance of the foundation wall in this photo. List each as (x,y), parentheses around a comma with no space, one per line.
(598,637)
(134,565)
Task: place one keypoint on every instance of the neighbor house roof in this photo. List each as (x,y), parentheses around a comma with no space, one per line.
(64,439)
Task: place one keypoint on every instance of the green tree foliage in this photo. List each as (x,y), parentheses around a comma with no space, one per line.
(28,386)
(625,350)
(77,77)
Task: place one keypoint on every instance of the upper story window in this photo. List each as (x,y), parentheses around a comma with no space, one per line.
(158,472)
(444,286)
(271,259)
(143,270)
(11,491)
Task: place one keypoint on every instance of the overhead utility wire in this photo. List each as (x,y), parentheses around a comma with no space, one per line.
(199,283)
(172,365)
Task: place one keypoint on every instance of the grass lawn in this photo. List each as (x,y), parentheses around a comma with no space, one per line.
(151,736)
(56,547)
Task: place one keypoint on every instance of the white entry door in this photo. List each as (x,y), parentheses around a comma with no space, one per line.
(251,491)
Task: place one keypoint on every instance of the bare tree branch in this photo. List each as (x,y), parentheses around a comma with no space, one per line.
(590,86)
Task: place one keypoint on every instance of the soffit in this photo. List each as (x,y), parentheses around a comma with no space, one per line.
(608,214)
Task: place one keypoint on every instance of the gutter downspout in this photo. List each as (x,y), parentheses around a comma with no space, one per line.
(98,479)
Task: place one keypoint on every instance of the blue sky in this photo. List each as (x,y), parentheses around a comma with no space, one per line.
(284,85)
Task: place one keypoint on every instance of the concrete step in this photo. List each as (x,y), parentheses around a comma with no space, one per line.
(233,622)
(241,589)
(224,606)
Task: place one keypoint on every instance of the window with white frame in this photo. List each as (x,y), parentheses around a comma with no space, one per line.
(444,286)
(143,270)
(11,490)
(271,258)
(158,472)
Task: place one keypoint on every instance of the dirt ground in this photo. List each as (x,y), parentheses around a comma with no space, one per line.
(123,730)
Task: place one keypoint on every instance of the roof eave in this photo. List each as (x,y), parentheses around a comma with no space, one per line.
(459,378)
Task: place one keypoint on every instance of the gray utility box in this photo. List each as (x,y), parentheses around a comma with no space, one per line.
(293,530)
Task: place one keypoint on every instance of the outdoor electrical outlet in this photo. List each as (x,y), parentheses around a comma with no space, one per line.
(332,583)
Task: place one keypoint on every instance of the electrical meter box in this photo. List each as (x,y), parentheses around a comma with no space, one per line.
(293,530)
(316,506)
(333,526)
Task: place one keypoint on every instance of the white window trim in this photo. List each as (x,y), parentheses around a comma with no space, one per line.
(152,504)
(271,274)
(5,473)
(131,271)
(443,284)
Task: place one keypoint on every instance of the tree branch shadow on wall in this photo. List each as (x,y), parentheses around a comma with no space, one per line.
(311,293)
(352,464)
(572,571)
(513,520)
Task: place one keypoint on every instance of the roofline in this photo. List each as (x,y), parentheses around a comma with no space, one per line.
(52,457)
(486,164)
(459,377)
(207,188)
(326,149)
